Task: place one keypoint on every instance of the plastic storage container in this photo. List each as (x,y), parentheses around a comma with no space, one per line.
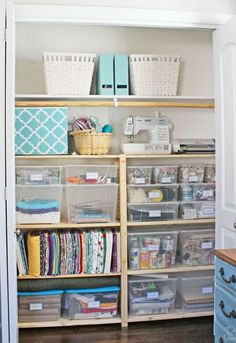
(93,302)
(154,193)
(32,175)
(91,203)
(38,204)
(165,174)
(197,247)
(197,192)
(139,175)
(196,293)
(90,174)
(151,250)
(39,306)
(151,295)
(191,174)
(196,210)
(152,212)
(210,173)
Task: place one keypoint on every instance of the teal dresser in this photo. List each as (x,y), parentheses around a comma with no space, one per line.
(225,296)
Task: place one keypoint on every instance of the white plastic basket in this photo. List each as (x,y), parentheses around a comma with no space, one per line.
(67,73)
(154,75)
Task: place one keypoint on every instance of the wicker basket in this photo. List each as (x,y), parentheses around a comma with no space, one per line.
(154,75)
(90,142)
(68,74)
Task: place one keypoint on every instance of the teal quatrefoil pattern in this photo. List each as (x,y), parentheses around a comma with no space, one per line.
(41,131)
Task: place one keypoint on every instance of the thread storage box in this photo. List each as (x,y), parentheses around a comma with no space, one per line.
(92,302)
(90,174)
(38,204)
(165,174)
(41,131)
(152,250)
(196,247)
(91,203)
(152,193)
(196,293)
(191,173)
(198,209)
(39,306)
(37,175)
(139,175)
(153,212)
(151,295)
(197,192)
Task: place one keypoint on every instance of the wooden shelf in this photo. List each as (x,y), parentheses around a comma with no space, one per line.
(173,222)
(74,276)
(64,226)
(177,269)
(172,156)
(66,322)
(58,157)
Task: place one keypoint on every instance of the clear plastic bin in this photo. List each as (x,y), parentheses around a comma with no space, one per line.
(165,174)
(154,193)
(152,250)
(196,293)
(151,295)
(196,247)
(197,192)
(210,173)
(93,302)
(91,203)
(197,210)
(152,212)
(91,174)
(32,175)
(38,204)
(139,175)
(191,174)
(39,306)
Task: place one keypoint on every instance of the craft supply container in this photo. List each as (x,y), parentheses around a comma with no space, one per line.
(197,210)
(91,203)
(196,294)
(38,204)
(139,175)
(197,192)
(152,250)
(152,193)
(191,174)
(91,174)
(92,302)
(165,174)
(152,212)
(196,247)
(38,175)
(151,295)
(210,173)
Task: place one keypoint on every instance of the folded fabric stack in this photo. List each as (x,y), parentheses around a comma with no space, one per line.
(69,252)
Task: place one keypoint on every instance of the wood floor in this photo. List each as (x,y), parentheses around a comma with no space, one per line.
(195,330)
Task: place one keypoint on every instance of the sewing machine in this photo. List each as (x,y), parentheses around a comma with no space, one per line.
(159,136)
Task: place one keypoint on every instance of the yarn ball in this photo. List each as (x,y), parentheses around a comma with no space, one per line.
(107,128)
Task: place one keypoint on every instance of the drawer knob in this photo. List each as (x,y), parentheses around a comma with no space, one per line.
(232,278)
(231,314)
(221,340)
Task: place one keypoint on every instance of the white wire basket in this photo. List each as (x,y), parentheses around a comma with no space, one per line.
(154,75)
(68,73)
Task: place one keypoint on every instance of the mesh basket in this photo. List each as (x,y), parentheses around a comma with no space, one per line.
(90,142)
(154,75)
(67,73)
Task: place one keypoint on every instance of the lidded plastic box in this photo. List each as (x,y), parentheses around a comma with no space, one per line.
(139,175)
(91,174)
(165,174)
(152,193)
(197,192)
(210,173)
(191,173)
(197,210)
(38,175)
(153,212)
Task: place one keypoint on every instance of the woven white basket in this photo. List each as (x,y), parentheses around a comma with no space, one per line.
(154,75)
(67,73)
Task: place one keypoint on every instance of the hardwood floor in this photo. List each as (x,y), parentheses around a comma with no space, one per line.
(194,330)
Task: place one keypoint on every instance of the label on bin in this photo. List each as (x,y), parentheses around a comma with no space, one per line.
(208,193)
(152,295)
(140,180)
(156,213)
(94,304)
(36,306)
(153,247)
(91,176)
(193,178)
(166,179)
(206,245)
(36,177)
(207,290)
(208,210)
(152,195)
(190,213)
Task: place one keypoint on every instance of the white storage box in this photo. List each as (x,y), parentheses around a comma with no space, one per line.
(38,204)
(197,192)
(154,75)
(152,250)
(196,293)
(152,212)
(152,193)
(197,210)
(77,174)
(68,73)
(139,175)
(38,175)
(196,247)
(165,174)
(191,174)
(91,203)
(151,295)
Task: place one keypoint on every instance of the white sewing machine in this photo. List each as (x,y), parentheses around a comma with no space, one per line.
(159,135)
